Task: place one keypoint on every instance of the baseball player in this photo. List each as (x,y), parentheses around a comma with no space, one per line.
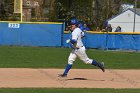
(78,50)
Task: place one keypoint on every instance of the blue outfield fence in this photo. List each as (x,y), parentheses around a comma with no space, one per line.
(31,34)
(52,34)
(110,41)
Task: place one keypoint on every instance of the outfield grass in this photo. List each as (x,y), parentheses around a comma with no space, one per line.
(45,57)
(68,90)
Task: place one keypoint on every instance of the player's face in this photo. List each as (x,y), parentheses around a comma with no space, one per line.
(73,27)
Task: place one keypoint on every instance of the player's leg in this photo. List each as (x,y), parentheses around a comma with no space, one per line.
(83,56)
(71,59)
(99,64)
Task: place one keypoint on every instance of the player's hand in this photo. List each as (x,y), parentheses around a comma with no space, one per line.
(68,41)
(73,46)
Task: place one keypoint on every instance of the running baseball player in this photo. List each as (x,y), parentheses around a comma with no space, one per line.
(78,50)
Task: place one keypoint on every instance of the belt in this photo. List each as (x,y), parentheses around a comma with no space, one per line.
(79,48)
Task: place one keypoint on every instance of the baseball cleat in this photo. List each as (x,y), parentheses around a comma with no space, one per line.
(62,75)
(101,66)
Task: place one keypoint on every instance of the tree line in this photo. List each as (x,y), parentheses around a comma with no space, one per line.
(91,11)
(94,12)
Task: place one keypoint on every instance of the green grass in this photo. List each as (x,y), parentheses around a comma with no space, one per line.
(45,57)
(67,90)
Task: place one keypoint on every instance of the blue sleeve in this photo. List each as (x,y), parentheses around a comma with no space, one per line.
(73,41)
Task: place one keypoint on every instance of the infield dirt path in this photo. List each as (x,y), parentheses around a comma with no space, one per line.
(77,78)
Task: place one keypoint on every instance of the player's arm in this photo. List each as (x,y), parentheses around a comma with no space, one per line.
(74,39)
(73,43)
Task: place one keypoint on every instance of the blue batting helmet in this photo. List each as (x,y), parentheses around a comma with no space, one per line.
(74,22)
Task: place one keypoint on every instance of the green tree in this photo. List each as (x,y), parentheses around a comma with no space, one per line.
(70,8)
(7,11)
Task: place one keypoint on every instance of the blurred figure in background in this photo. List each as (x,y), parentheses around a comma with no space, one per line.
(98,29)
(85,28)
(109,28)
(118,29)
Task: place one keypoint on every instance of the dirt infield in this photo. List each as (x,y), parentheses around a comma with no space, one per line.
(77,78)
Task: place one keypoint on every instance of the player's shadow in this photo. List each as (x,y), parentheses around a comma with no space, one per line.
(77,79)
(84,79)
